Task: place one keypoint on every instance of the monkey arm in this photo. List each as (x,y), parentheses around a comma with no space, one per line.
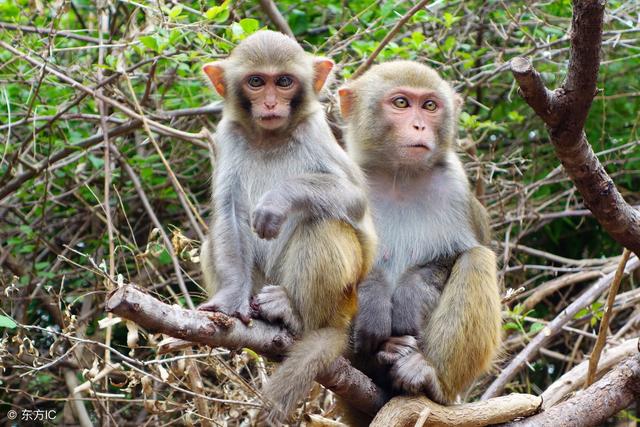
(232,257)
(463,334)
(372,324)
(321,195)
(416,296)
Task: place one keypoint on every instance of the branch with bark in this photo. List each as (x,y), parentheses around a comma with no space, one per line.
(219,330)
(565,111)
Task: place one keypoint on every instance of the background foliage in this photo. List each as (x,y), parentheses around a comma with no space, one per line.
(56,250)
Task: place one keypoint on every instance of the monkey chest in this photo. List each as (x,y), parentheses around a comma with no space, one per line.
(413,233)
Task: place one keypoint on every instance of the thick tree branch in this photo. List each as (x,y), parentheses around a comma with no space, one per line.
(565,111)
(219,330)
(591,407)
(419,411)
(577,376)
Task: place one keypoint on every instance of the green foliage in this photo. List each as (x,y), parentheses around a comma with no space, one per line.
(54,240)
(7,322)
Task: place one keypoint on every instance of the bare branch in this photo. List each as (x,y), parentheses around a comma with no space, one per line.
(418,411)
(576,377)
(565,112)
(591,407)
(271,10)
(606,318)
(550,330)
(390,35)
(218,330)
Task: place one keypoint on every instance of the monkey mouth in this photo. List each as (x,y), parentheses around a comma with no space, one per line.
(270,117)
(424,146)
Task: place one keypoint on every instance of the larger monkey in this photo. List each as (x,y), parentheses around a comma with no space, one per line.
(445,328)
(290,209)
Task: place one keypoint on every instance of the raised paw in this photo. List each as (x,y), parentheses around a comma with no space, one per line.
(273,305)
(269,215)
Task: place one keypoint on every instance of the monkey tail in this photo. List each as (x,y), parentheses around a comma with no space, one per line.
(294,378)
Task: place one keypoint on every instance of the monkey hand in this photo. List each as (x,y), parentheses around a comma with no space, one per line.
(410,372)
(269,215)
(372,327)
(230,302)
(273,305)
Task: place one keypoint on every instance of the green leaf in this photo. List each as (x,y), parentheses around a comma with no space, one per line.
(150,42)
(175,11)
(249,25)
(218,14)
(536,327)
(511,326)
(7,322)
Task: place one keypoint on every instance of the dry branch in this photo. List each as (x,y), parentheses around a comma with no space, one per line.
(551,329)
(418,411)
(271,10)
(219,330)
(593,406)
(565,110)
(576,377)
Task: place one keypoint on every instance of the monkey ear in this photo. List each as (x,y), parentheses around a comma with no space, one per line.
(215,72)
(346,101)
(322,68)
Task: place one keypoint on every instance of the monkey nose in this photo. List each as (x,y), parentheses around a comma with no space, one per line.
(419,127)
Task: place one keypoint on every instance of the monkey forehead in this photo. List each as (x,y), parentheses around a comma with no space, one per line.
(403,73)
(270,52)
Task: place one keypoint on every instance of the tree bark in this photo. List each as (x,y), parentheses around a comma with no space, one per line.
(594,405)
(565,111)
(419,411)
(219,330)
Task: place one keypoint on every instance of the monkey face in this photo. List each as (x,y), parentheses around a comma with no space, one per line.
(270,97)
(414,117)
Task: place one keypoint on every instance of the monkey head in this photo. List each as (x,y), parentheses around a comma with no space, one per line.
(401,116)
(269,81)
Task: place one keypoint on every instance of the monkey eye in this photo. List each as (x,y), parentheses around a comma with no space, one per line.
(284,81)
(255,81)
(400,102)
(430,105)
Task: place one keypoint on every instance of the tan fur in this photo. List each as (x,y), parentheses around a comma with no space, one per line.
(470,304)
(423,212)
(320,270)
(289,211)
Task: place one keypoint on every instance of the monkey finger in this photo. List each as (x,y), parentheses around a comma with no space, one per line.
(387,357)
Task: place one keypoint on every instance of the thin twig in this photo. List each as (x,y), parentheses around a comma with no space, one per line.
(390,35)
(606,317)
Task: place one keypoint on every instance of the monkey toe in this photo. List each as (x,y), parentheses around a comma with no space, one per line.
(208,306)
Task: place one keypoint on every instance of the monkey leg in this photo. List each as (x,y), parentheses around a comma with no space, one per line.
(320,270)
(207,266)
(463,334)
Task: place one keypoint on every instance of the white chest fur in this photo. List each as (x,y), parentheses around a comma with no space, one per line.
(421,218)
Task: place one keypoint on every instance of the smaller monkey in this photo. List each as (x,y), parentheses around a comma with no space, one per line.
(290,214)
(430,308)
